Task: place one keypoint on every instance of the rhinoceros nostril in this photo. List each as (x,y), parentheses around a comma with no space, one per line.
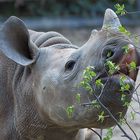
(108,53)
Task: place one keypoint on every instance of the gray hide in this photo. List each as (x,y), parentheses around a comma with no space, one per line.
(39,74)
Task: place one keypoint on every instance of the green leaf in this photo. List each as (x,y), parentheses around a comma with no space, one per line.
(132,66)
(96,104)
(132,115)
(78,97)
(109,54)
(127,104)
(86,85)
(99,83)
(120,9)
(109,134)
(70,110)
(136,39)
(120,114)
(88,73)
(122,80)
(123,98)
(124,31)
(126,49)
(112,67)
(125,87)
(101,117)
(122,121)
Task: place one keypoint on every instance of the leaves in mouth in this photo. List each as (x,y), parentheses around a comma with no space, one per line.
(112,67)
(132,66)
(126,49)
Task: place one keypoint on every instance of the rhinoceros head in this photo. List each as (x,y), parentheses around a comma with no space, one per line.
(55,72)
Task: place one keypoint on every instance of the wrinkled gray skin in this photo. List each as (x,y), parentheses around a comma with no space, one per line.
(39,74)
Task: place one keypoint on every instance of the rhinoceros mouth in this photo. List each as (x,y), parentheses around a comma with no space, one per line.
(125,65)
(126,62)
(131,75)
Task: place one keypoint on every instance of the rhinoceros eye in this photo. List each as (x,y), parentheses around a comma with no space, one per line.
(70,65)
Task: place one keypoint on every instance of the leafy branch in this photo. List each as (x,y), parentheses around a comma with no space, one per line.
(89,74)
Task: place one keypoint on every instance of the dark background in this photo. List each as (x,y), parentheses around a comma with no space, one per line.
(62,8)
(46,14)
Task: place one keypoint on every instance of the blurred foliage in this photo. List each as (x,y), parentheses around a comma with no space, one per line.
(65,8)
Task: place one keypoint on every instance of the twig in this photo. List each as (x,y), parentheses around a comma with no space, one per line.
(96,133)
(112,116)
(131,129)
(135,110)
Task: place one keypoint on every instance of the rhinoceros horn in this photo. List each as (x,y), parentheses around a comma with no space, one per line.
(111,20)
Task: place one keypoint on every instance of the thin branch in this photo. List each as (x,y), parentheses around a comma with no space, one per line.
(135,110)
(112,116)
(131,129)
(135,12)
(96,133)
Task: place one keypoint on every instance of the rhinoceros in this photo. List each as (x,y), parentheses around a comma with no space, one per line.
(40,75)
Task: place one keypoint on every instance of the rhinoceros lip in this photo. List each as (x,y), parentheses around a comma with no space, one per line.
(125,61)
(123,71)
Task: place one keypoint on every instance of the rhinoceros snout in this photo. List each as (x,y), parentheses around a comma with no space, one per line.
(122,56)
(115,53)
(113,92)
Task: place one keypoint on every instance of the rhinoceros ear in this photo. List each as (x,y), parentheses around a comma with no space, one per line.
(15,42)
(111,20)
